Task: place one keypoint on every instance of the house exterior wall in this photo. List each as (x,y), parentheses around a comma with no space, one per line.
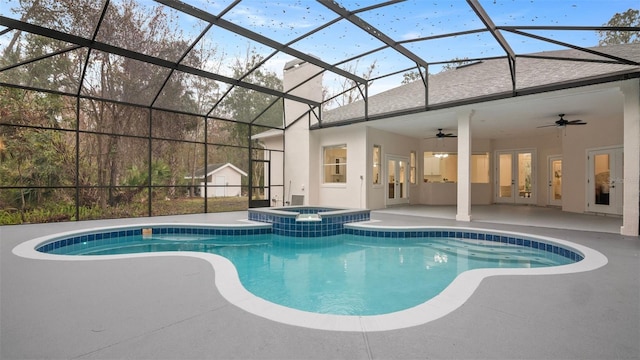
(544,146)
(575,142)
(352,193)
(391,144)
(304,157)
(446,193)
(297,165)
(631,175)
(300,154)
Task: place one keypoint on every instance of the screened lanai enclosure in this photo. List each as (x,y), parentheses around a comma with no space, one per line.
(113,108)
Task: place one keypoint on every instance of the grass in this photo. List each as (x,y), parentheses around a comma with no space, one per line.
(178,206)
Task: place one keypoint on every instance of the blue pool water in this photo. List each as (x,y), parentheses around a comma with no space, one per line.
(346,274)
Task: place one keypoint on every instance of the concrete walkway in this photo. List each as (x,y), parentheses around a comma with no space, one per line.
(169,308)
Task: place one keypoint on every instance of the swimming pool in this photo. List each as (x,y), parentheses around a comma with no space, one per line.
(344,266)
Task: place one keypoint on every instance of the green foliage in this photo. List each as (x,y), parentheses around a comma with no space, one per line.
(43,158)
(136,176)
(247,105)
(66,212)
(629,18)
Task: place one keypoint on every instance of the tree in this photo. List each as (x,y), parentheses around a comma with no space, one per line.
(629,18)
(34,156)
(454,63)
(347,90)
(114,139)
(410,76)
(249,106)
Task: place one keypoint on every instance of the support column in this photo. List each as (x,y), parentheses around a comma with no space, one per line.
(630,209)
(464,166)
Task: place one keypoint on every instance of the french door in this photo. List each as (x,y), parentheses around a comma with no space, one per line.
(555,180)
(515,177)
(397,180)
(604,180)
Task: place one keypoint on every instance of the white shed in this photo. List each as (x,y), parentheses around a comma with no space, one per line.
(221,180)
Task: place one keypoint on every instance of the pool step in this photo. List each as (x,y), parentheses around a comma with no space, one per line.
(491,250)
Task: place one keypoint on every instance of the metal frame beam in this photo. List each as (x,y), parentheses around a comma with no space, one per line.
(575,47)
(493,29)
(227,25)
(373,31)
(54,34)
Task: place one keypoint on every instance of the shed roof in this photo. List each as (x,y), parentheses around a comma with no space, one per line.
(214,168)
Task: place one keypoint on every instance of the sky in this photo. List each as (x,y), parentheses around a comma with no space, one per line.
(287,20)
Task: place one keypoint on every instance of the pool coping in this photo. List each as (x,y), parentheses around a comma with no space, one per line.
(228,283)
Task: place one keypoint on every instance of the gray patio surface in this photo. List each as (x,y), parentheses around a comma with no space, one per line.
(169,308)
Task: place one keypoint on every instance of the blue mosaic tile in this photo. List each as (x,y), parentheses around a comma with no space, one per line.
(305,230)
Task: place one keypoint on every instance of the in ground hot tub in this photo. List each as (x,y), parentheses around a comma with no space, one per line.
(308,221)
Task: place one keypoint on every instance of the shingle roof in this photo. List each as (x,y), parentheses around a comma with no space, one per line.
(491,78)
(202,172)
(208,170)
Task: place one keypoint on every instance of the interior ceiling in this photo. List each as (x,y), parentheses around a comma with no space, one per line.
(343,37)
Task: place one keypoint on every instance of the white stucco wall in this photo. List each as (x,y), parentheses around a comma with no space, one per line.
(446,193)
(396,145)
(298,160)
(544,146)
(575,142)
(304,155)
(352,193)
(631,206)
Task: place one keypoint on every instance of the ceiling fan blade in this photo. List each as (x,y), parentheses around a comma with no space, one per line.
(576,122)
(544,126)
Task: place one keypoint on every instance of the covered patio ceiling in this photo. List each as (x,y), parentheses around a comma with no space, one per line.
(516,117)
(361,46)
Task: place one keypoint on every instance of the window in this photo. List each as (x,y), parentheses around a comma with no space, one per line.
(443,167)
(480,168)
(335,164)
(412,168)
(376,174)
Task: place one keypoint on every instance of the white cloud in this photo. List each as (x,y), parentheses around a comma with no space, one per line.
(410,35)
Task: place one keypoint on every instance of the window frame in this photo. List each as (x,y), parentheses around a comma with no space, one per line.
(413,167)
(373,166)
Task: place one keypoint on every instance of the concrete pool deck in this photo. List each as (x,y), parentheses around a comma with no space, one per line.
(168,307)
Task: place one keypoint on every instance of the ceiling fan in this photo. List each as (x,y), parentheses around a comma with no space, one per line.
(441,135)
(562,122)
